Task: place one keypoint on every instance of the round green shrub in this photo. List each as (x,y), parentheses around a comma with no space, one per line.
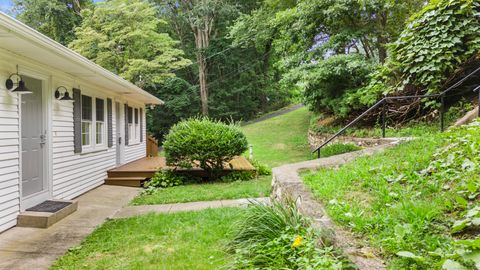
(205,142)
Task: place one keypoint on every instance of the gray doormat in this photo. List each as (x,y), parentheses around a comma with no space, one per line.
(49,206)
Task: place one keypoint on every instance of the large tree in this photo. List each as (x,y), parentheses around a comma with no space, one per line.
(123,36)
(202,17)
(54,18)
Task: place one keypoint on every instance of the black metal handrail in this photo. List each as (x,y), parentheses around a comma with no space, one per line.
(384,100)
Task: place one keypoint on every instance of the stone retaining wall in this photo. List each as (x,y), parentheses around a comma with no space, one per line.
(315,139)
(287,183)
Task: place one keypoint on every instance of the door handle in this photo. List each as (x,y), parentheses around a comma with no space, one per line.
(43,139)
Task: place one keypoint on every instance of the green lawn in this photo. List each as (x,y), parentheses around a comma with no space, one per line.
(209,191)
(186,240)
(407,198)
(276,141)
(282,139)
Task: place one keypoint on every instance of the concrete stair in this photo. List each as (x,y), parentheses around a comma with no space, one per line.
(38,219)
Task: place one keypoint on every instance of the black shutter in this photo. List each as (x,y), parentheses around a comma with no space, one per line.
(77,121)
(109,119)
(126,124)
(141,125)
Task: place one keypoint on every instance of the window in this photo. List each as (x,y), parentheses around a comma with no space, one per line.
(136,124)
(100,120)
(130,125)
(86,120)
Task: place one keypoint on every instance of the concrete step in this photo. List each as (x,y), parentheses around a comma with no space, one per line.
(129,181)
(38,219)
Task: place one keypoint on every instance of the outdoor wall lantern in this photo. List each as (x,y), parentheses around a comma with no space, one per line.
(62,95)
(21,88)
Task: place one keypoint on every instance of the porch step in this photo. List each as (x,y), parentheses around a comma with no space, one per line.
(132,181)
(46,214)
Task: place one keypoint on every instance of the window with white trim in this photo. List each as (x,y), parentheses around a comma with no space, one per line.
(100,121)
(137,130)
(131,131)
(93,122)
(86,120)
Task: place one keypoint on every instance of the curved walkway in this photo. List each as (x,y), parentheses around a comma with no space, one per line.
(274,114)
(287,183)
(130,211)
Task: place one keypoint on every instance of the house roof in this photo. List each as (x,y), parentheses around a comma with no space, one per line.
(25,41)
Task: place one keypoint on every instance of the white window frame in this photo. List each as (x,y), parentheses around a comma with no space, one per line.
(134,128)
(89,122)
(93,146)
(103,131)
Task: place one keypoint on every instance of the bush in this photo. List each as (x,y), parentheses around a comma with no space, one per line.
(239,176)
(339,148)
(261,168)
(164,179)
(279,237)
(209,143)
(326,83)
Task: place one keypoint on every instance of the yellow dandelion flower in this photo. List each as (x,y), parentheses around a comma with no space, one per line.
(297,242)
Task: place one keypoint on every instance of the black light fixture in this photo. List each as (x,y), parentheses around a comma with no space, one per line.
(65,96)
(21,88)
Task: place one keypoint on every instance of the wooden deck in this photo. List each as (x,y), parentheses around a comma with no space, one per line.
(138,171)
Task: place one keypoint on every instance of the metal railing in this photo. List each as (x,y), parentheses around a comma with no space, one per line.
(384,101)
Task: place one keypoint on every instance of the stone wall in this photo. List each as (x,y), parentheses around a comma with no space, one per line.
(316,139)
(287,183)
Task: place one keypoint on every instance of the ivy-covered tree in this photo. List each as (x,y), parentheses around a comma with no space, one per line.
(123,36)
(440,39)
(54,18)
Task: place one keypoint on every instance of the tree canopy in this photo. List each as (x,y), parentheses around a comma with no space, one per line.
(114,36)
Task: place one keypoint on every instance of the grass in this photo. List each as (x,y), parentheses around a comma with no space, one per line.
(280,140)
(406,198)
(209,191)
(185,240)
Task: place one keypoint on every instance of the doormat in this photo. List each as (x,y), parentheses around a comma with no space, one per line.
(49,206)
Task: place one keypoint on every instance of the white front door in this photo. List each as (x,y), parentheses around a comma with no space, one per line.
(33,132)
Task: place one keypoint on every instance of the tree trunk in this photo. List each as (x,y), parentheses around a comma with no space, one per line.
(202,42)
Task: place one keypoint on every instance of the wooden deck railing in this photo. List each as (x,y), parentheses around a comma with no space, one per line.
(152,146)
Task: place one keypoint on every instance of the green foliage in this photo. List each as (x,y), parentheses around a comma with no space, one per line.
(339,148)
(165,179)
(53,18)
(279,237)
(238,176)
(261,168)
(210,143)
(114,36)
(407,202)
(181,102)
(327,82)
(441,38)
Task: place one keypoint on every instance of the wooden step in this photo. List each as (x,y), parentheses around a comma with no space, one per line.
(133,181)
(128,174)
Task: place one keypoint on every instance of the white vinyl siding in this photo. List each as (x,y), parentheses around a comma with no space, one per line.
(72,174)
(9,157)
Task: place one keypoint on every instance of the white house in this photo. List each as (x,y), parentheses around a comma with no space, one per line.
(52,148)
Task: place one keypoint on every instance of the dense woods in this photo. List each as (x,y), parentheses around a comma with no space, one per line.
(234,60)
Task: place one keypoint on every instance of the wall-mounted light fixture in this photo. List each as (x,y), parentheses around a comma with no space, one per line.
(21,88)
(61,93)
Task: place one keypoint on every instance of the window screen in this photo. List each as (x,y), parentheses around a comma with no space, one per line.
(100,106)
(130,115)
(86,108)
(136,116)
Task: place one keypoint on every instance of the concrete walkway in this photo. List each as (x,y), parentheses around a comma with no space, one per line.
(31,248)
(130,211)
